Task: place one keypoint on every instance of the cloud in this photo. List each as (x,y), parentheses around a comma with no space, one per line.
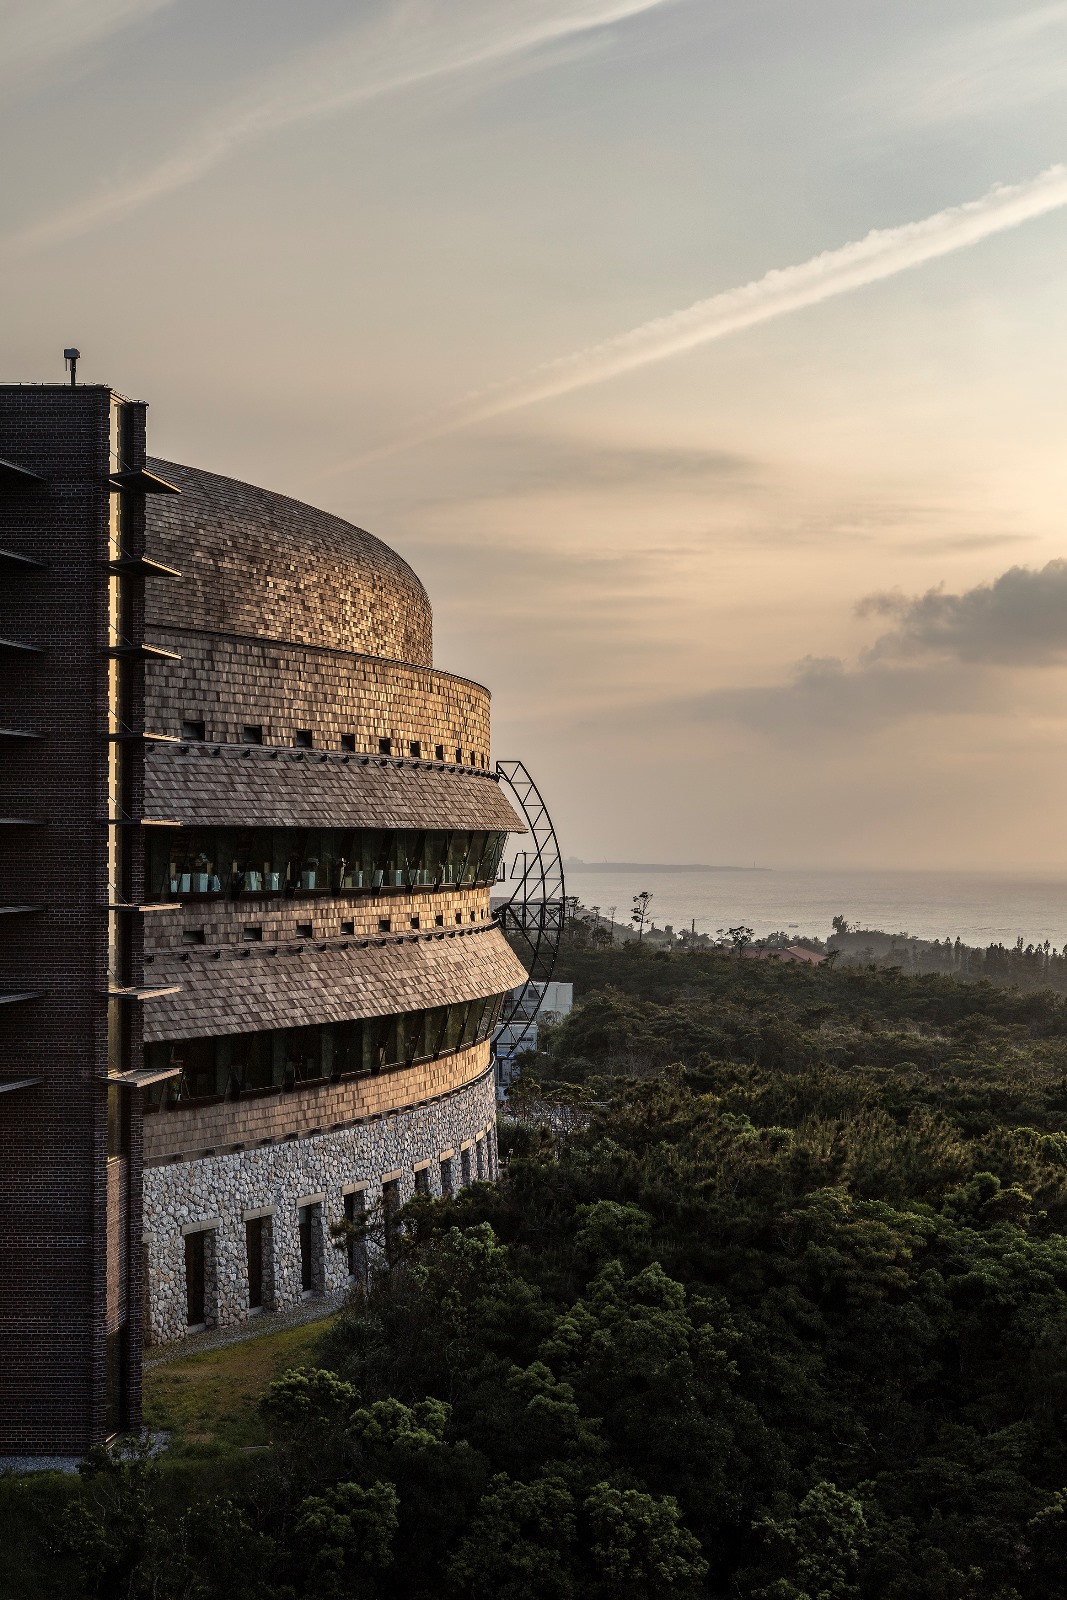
(946,656)
(538,464)
(1019,620)
(1004,64)
(826,698)
(411,43)
(883,253)
(36,33)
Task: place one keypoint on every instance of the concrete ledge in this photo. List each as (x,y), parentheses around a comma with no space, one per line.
(201,1227)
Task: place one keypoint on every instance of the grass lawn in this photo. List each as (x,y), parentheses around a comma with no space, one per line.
(207,1401)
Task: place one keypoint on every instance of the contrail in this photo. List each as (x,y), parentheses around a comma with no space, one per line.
(882,254)
(414,42)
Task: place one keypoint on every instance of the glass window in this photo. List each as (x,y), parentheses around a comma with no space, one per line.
(284,1057)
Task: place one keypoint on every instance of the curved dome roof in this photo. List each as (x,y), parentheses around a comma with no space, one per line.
(261,564)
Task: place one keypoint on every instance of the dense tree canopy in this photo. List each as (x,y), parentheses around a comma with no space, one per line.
(770,1302)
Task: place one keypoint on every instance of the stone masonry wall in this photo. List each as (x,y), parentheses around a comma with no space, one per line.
(219,1192)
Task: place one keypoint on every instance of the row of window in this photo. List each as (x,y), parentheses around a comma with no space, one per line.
(237,862)
(194,730)
(363,1235)
(282,1058)
(252,932)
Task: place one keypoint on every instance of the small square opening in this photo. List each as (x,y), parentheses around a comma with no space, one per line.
(439,752)
(348,741)
(439,921)
(192,728)
(415,922)
(415,748)
(305,930)
(384,925)
(252,733)
(385,747)
(348,927)
(253,932)
(302,739)
(192,936)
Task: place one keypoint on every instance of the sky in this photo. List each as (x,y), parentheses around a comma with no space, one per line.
(704,357)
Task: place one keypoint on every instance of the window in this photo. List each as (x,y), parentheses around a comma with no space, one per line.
(192,936)
(446,1176)
(239,863)
(283,1058)
(439,921)
(254,1252)
(305,930)
(356,1219)
(252,733)
(196,1278)
(385,924)
(479,1156)
(422,1180)
(192,730)
(439,752)
(385,747)
(459,758)
(415,748)
(473,762)
(252,932)
(348,741)
(302,739)
(459,916)
(464,1167)
(348,928)
(415,922)
(311,1259)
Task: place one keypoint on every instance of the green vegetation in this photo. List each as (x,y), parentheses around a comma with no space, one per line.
(770,1304)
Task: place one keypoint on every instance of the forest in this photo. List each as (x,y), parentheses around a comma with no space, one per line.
(770,1303)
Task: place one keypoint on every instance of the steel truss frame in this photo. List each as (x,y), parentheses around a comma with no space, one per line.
(534,916)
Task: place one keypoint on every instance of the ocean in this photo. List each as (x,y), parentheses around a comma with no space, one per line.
(978,908)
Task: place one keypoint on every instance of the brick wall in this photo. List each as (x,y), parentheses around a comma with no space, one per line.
(253,562)
(227,681)
(225,921)
(191,1131)
(53,1138)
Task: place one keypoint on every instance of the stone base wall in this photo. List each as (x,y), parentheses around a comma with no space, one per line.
(220,1193)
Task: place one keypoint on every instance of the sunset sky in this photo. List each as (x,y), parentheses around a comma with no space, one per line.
(793,592)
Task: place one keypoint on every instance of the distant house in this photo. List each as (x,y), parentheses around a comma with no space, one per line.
(789,952)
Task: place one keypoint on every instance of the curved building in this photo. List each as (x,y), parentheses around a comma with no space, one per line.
(250,969)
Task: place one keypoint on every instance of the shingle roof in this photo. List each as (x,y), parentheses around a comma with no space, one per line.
(246,786)
(241,990)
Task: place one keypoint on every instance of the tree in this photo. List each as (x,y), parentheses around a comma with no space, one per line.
(639,915)
(737,937)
